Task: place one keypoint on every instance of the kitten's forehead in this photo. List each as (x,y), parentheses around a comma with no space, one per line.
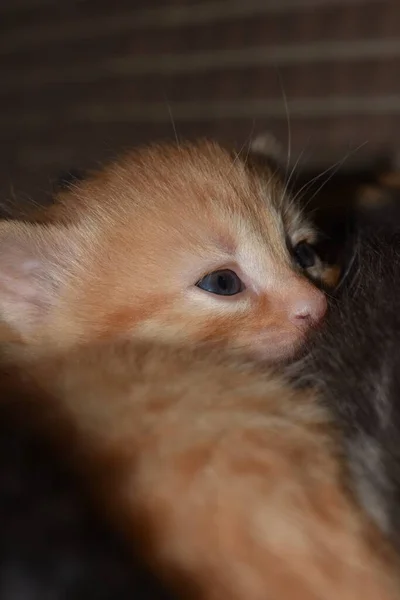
(248,207)
(208,182)
(191,175)
(194,190)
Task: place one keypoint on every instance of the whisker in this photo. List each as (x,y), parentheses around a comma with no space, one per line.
(308,184)
(302,153)
(350,264)
(288,177)
(172,119)
(323,184)
(250,139)
(289,129)
(292,200)
(247,142)
(335,167)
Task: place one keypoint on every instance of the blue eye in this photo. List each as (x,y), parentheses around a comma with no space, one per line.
(223,283)
(304,255)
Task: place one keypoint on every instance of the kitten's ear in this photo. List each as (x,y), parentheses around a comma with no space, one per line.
(31,273)
(266,151)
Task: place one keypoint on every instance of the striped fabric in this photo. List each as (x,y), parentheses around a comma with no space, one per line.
(82,79)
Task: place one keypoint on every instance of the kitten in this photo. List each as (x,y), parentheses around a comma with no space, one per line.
(355,362)
(48,267)
(164,423)
(230,479)
(183,240)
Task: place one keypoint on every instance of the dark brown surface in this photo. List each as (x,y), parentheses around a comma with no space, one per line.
(83,79)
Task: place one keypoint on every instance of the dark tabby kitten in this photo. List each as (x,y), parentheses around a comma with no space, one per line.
(356,364)
(356,357)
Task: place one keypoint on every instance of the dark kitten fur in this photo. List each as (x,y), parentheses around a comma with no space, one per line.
(356,364)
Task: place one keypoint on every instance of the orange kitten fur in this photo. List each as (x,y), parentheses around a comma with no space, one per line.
(122,252)
(231,479)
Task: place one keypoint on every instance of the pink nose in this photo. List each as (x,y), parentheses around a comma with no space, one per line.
(308,306)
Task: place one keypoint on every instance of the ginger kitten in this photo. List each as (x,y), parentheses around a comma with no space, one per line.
(230,481)
(168,244)
(182,242)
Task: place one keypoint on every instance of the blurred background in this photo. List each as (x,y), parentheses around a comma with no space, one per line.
(82,79)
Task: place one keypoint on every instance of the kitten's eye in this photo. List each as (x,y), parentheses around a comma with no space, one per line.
(223,283)
(304,255)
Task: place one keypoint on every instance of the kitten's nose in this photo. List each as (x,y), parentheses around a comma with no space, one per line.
(308,306)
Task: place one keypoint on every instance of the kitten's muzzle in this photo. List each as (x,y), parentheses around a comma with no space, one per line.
(305,305)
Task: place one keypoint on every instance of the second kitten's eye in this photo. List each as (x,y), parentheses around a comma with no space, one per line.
(304,255)
(223,283)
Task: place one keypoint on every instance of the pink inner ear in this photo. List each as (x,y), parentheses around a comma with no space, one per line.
(23,297)
(22,282)
(30,264)
(26,286)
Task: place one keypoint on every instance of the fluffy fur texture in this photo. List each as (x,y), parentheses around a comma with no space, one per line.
(263,510)
(231,480)
(122,251)
(109,257)
(356,364)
